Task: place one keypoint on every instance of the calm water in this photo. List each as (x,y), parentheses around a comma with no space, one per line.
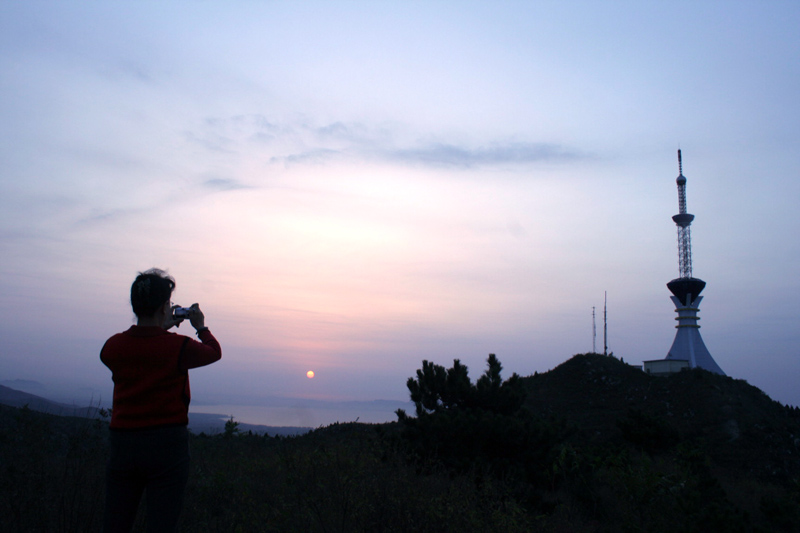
(312,415)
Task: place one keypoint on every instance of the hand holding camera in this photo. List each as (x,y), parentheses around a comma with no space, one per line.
(192,313)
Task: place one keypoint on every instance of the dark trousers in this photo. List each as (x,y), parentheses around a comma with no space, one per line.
(150,461)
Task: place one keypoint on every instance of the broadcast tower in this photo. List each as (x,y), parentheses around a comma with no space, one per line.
(688,345)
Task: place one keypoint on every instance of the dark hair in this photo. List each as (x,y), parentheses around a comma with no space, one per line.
(150,290)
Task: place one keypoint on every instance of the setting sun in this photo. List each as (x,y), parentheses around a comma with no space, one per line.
(310,374)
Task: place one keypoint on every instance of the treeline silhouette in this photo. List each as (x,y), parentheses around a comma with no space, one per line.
(593,445)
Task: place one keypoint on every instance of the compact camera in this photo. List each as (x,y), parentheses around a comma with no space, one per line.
(181,312)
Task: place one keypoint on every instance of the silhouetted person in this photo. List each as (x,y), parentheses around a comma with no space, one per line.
(149,441)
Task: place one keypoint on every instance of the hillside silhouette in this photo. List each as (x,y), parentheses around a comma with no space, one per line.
(593,445)
(740,427)
(16,398)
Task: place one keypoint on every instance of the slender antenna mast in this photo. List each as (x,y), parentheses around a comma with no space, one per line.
(683,220)
(594,333)
(605,322)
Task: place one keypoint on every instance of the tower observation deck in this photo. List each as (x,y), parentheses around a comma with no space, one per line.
(688,344)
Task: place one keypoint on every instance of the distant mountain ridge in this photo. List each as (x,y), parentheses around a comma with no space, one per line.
(198,422)
(17,398)
(25,385)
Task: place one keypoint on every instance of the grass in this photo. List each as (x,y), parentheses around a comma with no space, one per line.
(622,463)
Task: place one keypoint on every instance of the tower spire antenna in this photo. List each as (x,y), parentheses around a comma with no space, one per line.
(683,220)
(605,323)
(688,345)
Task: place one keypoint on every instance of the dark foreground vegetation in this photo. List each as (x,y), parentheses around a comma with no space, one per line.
(594,445)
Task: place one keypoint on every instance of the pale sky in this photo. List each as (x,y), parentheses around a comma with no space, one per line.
(353,187)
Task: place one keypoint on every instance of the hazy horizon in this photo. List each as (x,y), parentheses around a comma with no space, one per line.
(353,187)
(265,410)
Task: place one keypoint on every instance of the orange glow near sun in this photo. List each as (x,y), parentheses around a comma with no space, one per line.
(310,374)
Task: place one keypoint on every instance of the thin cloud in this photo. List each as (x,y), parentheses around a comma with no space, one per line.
(211,143)
(107,216)
(127,69)
(316,156)
(336,129)
(101,215)
(304,143)
(451,155)
(224,184)
(442,155)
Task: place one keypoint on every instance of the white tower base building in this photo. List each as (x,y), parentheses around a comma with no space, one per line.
(688,344)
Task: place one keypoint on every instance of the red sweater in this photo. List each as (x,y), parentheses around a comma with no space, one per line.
(149,367)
